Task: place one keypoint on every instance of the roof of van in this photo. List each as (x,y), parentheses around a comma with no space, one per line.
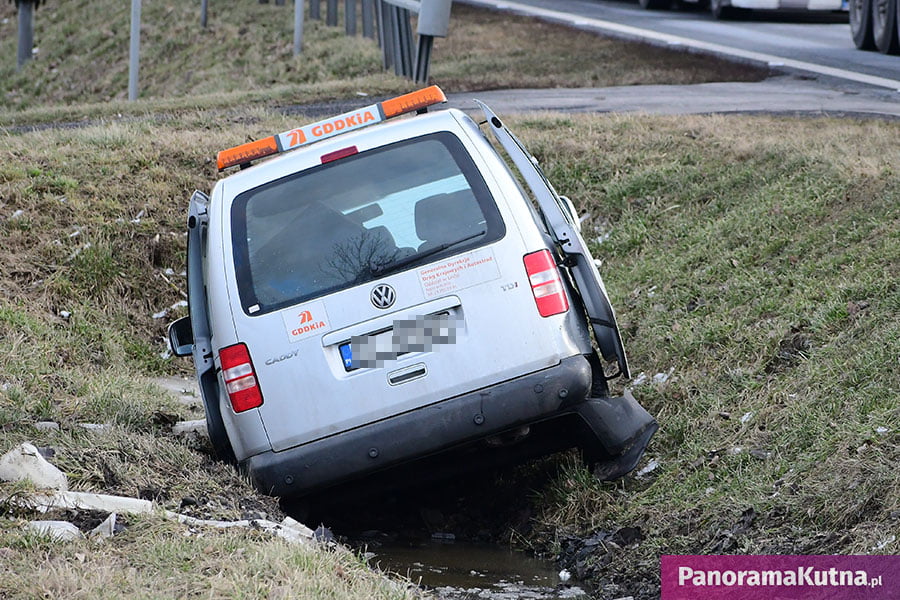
(357,141)
(308,134)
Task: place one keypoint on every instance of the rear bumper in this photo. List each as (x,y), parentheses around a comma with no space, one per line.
(553,392)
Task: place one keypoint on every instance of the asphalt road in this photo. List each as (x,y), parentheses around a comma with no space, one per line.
(817,43)
(777,95)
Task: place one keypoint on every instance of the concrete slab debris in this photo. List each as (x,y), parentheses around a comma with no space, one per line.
(26,462)
(62,531)
(197,427)
(89,501)
(106,529)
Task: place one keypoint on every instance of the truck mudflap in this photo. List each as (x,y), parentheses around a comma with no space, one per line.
(622,427)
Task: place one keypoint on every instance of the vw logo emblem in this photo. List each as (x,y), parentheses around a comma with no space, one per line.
(383,296)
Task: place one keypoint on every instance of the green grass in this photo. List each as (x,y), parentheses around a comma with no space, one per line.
(755,257)
(758,259)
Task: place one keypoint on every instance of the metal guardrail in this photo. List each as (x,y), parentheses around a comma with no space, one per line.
(391,22)
(389,19)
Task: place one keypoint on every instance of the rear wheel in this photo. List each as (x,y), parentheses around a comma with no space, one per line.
(215,425)
(861,24)
(884,26)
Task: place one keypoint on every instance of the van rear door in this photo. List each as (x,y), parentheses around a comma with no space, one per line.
(405,249)
(563,227)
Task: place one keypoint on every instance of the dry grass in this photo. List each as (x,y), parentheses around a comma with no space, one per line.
(245,57)
(159,559)
(758,257)
(493,50)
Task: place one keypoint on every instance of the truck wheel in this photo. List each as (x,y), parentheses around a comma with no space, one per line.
(654,4)
(861,24)
(884,26)
(722,11)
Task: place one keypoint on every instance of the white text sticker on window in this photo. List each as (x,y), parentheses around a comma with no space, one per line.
(458,273)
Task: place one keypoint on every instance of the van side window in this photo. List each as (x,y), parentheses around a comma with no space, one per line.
(357,219)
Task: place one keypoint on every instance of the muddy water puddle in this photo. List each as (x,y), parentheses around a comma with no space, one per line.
(454,570)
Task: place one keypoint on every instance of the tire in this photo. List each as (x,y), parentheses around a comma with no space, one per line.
(722,11)
(215,425)
(884,26)
(654,4)
(861,24)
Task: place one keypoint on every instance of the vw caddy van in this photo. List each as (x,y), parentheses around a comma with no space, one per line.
(386,290)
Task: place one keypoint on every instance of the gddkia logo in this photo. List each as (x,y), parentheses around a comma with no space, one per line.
(304,323)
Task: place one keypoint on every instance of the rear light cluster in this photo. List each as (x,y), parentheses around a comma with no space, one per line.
(240,378)
(549,293)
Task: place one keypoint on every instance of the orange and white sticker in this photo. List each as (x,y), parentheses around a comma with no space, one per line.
(458,273)
(305,321)
(329,127)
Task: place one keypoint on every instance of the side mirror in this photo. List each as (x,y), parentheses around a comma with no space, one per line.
(573,214)
(181,337)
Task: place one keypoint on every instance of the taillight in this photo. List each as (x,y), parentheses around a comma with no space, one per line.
(240,378)
(549,294)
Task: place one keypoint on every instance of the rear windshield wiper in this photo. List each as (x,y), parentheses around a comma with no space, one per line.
(379,269)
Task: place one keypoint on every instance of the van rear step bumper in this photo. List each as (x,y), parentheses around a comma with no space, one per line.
(554,392)
(623,428)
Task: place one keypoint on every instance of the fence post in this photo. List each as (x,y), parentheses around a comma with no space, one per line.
(315,9)
(434,21)
(405,40)
(331,16)
(423,58)
(298,26)
(134,52)
(203,7)
(368,16)
(385,33)
(26,33)
(350,17)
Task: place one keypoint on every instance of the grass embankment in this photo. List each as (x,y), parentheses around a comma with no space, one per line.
(757,258)
(92,227)
(757,262)
(245,55)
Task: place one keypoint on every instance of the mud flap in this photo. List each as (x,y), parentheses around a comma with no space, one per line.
(623,428)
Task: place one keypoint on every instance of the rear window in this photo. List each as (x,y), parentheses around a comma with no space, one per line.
(359,219)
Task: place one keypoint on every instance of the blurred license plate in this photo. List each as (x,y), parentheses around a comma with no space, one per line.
(420,334)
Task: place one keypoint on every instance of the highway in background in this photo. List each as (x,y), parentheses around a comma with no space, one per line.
(813,42)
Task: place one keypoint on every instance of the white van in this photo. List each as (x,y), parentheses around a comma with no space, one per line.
(387,290)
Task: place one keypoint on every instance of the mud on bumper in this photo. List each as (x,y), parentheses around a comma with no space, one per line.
(619,424)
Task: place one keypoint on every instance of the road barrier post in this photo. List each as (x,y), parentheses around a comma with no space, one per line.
(134,51)
(298,26)
(350,17)
(26,33)
(396,37)
(368,18)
